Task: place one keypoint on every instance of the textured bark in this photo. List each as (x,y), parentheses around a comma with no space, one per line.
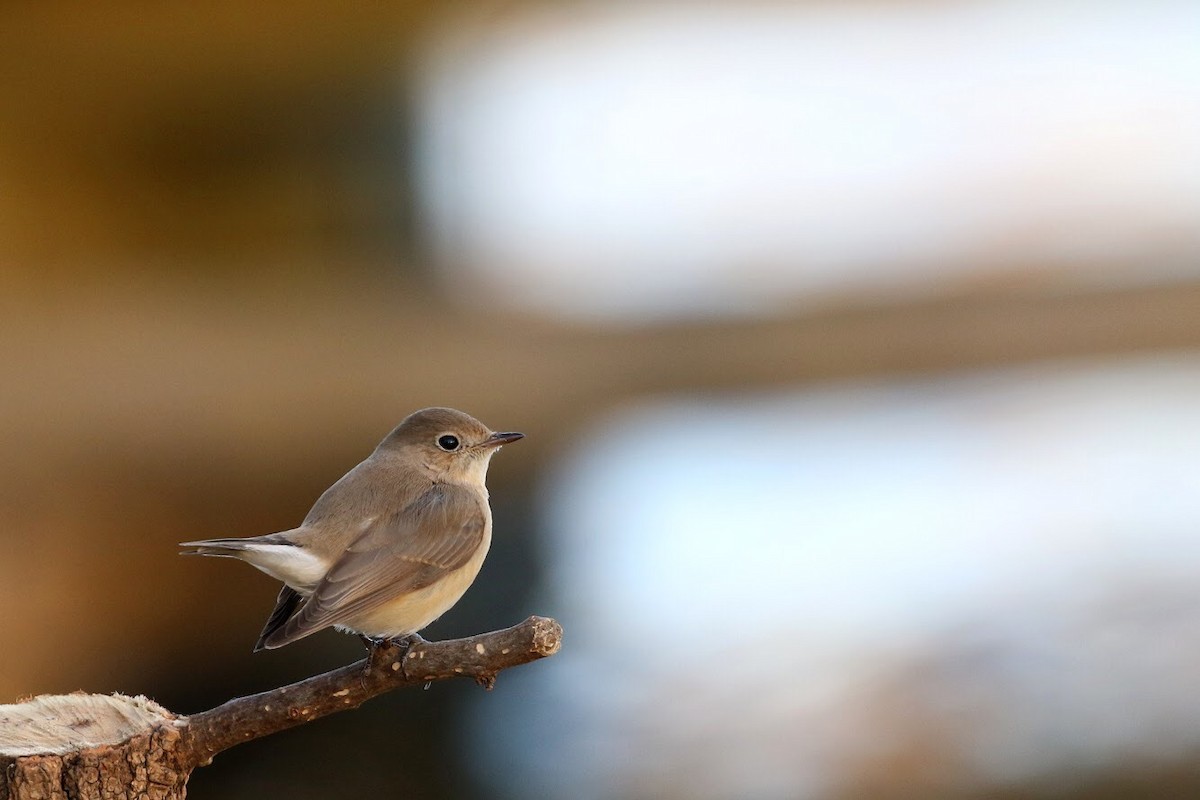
(150,764)
(117,748)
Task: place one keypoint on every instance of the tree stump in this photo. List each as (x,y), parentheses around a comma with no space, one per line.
(114,747)
(83,746)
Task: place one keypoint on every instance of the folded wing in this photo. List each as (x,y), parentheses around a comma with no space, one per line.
(432,537)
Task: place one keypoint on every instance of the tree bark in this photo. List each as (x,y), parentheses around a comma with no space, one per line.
(149,764)
(101,747)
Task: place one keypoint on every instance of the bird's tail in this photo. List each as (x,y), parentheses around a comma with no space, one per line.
(275,554)
(218,547)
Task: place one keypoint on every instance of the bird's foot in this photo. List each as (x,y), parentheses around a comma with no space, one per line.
(408,642)
(370,642)
(373,642)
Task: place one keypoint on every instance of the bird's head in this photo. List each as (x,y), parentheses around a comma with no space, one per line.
(450,445)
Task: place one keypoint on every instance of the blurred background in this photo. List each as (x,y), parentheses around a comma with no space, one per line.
(857,345)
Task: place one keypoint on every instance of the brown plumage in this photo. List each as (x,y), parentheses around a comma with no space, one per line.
(392,545)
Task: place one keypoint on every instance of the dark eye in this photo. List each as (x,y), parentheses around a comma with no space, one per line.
(448,442)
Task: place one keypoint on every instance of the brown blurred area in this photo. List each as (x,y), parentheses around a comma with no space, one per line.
(214,301)
(215,135)
(207,316)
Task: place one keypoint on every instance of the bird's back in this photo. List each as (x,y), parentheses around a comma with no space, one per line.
(378,483)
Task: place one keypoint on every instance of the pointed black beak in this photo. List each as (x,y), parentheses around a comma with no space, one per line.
(497,439)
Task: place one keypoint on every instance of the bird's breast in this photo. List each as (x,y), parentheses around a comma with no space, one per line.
(414,611)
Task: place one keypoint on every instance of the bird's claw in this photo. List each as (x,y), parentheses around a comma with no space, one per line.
(373,644)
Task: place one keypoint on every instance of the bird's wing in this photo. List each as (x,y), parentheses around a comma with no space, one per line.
(413,548)
(285,606)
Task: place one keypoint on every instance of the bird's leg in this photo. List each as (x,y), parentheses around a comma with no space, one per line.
(407,642)
(370,644)
(373,643)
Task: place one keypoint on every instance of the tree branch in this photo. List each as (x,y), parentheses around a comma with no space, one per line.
(388,666)
(112,747)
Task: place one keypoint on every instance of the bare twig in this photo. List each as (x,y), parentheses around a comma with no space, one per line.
(389,666)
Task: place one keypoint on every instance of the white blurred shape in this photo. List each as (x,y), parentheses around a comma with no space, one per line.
(638,160)
(769,597)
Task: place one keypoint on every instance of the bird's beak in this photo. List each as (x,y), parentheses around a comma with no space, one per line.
(498,439)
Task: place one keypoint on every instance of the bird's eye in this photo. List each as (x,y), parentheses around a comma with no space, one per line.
(448,442)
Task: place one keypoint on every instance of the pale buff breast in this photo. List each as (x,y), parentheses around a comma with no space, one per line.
(413,612)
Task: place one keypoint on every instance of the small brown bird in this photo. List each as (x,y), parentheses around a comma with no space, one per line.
(392,545)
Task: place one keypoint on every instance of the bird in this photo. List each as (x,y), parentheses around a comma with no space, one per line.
(389,547)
